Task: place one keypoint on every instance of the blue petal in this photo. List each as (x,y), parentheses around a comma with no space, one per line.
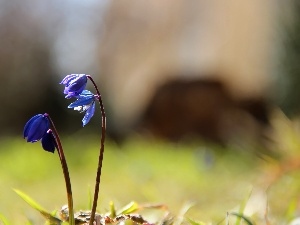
(85,93)
(71,78)
(77,84)
(74,84)
(68,79)
(66,90)
(89,114)
(48,142)
(82,102)
(38,128)
(73,92)
(28,125)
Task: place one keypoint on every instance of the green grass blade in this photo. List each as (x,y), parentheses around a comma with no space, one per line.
(182,212)
(112,210)
(129,208)
(246,219)
(242,208)
(52,220)
(193,222)
(4,220)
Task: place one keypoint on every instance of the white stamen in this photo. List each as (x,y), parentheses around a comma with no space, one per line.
(82,108)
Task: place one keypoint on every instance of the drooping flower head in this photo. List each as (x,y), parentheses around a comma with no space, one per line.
(85,103)
(74,84)
(38,128)
(48,141)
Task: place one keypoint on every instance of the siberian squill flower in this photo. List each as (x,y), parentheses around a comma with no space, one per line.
(38,128)
(74,84)
(85,103)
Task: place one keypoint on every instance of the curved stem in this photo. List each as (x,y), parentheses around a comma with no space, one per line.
(100,160)
(65,172)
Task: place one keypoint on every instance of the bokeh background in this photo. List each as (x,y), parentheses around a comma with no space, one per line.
(203,57)
(179,71)
(241,56)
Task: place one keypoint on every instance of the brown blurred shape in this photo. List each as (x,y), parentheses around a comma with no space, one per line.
(182,108)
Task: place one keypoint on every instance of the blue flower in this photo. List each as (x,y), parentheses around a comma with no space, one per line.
(74,84)
(37,128)
(48,141)
(85,103)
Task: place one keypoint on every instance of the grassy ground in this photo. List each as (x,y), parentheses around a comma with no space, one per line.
(217,180)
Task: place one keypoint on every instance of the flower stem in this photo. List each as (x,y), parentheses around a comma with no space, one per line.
(65,171)
(100,160)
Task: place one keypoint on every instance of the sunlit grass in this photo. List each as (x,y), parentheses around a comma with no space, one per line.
(217,180)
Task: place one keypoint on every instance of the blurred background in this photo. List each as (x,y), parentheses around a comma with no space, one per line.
(167,69)
(174,70)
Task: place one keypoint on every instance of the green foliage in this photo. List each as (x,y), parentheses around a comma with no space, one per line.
(4,220)
(239,215)
(51,220)
(144,171)
(158,172)
(129,208)
(242,208)
(193,222)
(112,209)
